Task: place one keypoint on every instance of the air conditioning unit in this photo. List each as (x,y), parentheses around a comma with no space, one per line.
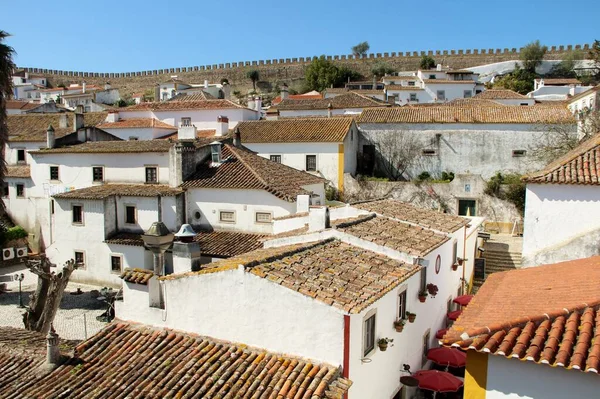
(21,252)
(8,253)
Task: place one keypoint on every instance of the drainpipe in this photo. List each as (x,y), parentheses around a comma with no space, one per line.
(159,208)
(464,265)
(346,366)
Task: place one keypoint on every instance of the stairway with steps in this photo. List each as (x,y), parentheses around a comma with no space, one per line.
(498,258)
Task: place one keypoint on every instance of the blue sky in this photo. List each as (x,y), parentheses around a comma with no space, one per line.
(132,35)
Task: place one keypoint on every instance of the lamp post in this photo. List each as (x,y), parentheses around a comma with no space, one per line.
(20,278)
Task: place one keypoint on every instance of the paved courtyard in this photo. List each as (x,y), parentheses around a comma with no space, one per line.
(76,317)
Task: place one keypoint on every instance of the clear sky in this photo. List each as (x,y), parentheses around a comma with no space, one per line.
(132,35)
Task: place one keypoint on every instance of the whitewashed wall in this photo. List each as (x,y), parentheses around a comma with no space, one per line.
(452,90)
(21,210)
(317,112)
(140,133)
(10,151)
(202,119)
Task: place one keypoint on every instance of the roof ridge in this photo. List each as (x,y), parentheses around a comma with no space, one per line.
(235,149)
(359,219)
(292,251)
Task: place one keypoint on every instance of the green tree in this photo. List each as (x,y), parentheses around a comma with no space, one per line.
(594,55)
(361,49)
(518,80)
(322,74)
(427,62)
(254,76)
(6,70)
(380,69)
(566,68)
(532,55)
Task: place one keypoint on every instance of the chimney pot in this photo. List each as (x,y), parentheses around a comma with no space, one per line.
(50,137)
(62,121)
(83,87)
(237,138)
(53,357)
(284,92)
(329,110)
(318,218)
(222,126)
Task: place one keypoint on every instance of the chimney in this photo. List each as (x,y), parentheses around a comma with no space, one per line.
(112,117)
(62,120)
(50,137)
(222,126)
(439,67)
(226,91)
(237,138)
(251,102)
(329,110)
(157,93)
(107,86)
(186,131)
(83,87)
(53,356)
(78,118)
(318,218)
(257,104)
(186,252)
(26,75)
(205,83)
(284,93)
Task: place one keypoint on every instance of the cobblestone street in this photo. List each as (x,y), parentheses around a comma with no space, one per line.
(76,317)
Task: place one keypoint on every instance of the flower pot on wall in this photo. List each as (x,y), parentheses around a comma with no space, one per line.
(422,298)
(455,267)
(412,317)
(383,347)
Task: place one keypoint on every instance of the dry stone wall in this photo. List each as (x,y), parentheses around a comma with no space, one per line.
(289,70)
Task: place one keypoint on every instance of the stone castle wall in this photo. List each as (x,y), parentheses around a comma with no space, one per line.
(289,70)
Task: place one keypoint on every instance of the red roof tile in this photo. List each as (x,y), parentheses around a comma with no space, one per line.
(136,123)
(138,276)
(21,171)
(108,190)
(300,130)
(502,94)
(349,100)
(22,105)
(182,105)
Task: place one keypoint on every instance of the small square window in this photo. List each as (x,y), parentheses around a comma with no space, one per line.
(467,94)
(519,153)
(186,121)
(20,191)
(411,83)
(97,174)
(227,216)
(413,97)
(275,158)
(263,217)
(431,76)
(369,335)
(115,263)
(77,214)
(54,173)
(151,174)
(79,259)
(311,163)
(429,152)
(130,215)
(20,156)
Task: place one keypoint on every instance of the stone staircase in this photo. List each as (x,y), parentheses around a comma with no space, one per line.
(498,259)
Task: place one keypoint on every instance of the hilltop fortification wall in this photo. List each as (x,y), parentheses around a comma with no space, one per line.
(289,70)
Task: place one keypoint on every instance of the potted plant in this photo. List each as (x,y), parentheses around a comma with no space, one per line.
(399,325)
(455,266)
(422,295)
(383,343)
(460,261)
(411,317)
(432,289)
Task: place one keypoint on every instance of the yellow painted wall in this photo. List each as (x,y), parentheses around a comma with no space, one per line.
(341,167)
(476,375)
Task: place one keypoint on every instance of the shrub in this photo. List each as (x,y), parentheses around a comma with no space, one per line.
(447,176)
(14,233)
(332,194)
(508,188)
(424,176)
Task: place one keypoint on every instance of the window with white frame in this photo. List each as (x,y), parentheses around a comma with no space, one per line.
(54,173)
(20,190)
(263,217)
(227,216)
(311,163)
(80,259)
(413,97)
(186,121)
(77,211)
(411,83)
(116,263)
(369,333)
(467,94)
(20,156)
(275,158)
(402,305)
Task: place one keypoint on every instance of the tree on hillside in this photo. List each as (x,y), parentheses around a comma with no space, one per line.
(519,80)
(427,62)
(594,55)
(322,74)
(254,76)
(6,70)
(532,55)
(361,49)
(566,68)
(380,69)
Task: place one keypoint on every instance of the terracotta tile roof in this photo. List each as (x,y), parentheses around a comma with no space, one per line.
(126,238)
(403,237)
(301,130)
(460,71)
(579,166)
(402,88)
(468,114)
(22,105)
(137,361)
(560,81)
(243,169)
(335,273)
(32,127)
(448,82)
(138,276)
(201,96)
(22,171)
(136,123)
(108,190)
(200,134)
(546,314)
(183,105)
(404,211)
(277,99)
(403,77)
(348,100)
(366,92)
(120,146)
(500,94)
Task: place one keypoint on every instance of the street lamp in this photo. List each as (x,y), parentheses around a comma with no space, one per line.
(20,278)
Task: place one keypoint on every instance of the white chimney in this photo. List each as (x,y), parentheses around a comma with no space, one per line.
(186,132)
(318,218)
(78,117)
(257,103)
(53,356)
(439,67)
(112,117)
(26,75)
(50,137)
(62,120)
(302,203)
(284,93)
(222,126)
(329,110)
(83,87)
(205,83)
(186,252)
(251,102)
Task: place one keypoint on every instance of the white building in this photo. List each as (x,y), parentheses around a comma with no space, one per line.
(559,201)
(350,103)
(346,285)
(27,86)
(522,342)
(556,89)
(506,97)
(174,87)
(326,147)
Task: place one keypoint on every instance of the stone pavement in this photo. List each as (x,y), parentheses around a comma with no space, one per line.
(76,317)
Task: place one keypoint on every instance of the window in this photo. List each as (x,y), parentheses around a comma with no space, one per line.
(467,94)
(263,217)
(441,95)
(79,259)
(311,163)
(53,172)
(20,190)
(77,214)
(130,214)
(369,335)
(151,174)
(449,305)
(20,156)
(87,109)
(429,152)
(275,158)
(115,263)
(423,277)
(402,305)
(524,104)
(467,207)
(519,153)
(52,207)
(5,190)
(28,95)
(215,151)
(227,216)
(133,138)
(186,122)
(431,76)
(97,174)
(413,97)
(411,83)
(425,346)
(454,252)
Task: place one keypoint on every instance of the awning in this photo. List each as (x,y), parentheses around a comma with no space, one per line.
(437,381)
(454,315)
(463,300)
(449,357)
(440,334)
